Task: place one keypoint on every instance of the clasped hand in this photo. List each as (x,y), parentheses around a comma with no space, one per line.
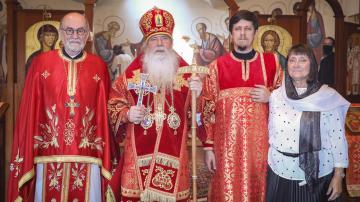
(195,84)
(260,93)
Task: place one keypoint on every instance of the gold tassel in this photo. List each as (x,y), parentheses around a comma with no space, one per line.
(149,196)
(110,197)
(18,199)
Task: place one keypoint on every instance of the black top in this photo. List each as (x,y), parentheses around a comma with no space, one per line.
(326,71)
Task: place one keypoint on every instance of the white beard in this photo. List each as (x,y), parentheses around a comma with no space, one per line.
(161,64)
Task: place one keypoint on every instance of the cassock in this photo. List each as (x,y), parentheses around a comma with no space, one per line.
(61,146)
(155,159)
(236,127)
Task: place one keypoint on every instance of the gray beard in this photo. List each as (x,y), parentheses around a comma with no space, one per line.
(161,66)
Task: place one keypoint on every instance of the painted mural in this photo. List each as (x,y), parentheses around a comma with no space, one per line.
(200,35)
(353,65)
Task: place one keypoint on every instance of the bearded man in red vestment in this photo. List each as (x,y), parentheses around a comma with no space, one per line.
(235,115)
(155,166)
(61,147)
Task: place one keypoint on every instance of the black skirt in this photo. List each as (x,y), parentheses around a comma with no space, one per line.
(279,189)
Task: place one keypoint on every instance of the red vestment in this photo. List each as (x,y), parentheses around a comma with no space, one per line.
(68,136)
(236,126)
(155,163)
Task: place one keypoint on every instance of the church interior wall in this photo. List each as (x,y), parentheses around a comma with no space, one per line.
(186,13)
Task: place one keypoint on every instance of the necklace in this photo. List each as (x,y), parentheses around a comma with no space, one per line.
(148,120)
(173,119)
(72,78)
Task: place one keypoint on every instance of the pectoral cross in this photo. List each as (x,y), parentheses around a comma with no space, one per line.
(142,88)
(159,117)
(72,104)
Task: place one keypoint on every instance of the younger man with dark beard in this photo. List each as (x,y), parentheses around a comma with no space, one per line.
(235,115)
(155,166)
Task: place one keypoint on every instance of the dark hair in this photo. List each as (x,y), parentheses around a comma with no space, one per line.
(301,49)
(244,15)
(118,50)
(46,28)
(296,8)
(332,40)
(201,24)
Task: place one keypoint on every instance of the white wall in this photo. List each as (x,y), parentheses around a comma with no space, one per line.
(350,7)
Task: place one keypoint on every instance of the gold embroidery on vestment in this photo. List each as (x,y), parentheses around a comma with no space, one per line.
(45,74)
(88,134)
(49,131)
(78,173)
(96,78)
(16,164)
(162,178)
(69,132)
(55,174)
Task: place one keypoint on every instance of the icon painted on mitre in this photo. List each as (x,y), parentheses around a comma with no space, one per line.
(158,20)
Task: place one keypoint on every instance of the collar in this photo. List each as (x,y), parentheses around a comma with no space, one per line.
(72,58)
(244,56)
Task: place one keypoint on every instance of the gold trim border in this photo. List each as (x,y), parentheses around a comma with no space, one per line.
(107,174)
(67,159)
(26,177)
(74,159)
(263,68)
(88,175)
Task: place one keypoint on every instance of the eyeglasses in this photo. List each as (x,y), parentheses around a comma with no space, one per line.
(70,31)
